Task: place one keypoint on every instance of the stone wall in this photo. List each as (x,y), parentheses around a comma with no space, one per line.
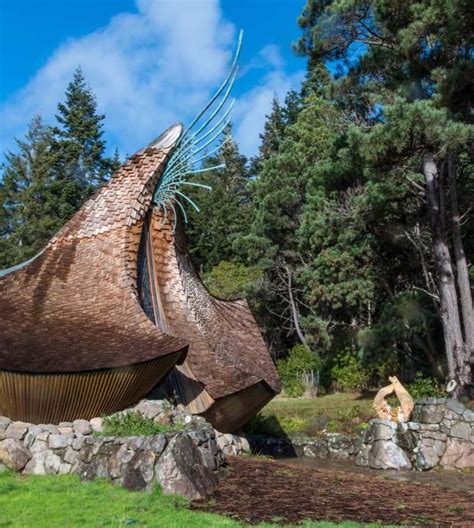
(329,445)
(187,462)
(440,433)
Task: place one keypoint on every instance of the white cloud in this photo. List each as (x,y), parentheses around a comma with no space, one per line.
(149,69)
(253,106)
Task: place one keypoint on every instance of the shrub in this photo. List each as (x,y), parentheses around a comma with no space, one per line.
(425,388)
(349,413)
(347,372)
(300,361)
(132,424)
(228,280)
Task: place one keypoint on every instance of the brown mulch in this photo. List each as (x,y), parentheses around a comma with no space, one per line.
(259,490)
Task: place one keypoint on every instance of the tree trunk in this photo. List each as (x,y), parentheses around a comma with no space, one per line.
(458,369)
(294,309)
(462,275)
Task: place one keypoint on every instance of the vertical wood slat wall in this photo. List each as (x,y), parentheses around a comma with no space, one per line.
(63,397)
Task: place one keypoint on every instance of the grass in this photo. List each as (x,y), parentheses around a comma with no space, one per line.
(131,424)
(346,412)
(58,501)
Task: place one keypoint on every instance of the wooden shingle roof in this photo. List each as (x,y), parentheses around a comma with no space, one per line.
(75,306)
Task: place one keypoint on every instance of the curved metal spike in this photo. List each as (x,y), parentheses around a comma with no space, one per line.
(184,157)
(208,187)
(222,87)
(175,161)
(185,216)
(189,200)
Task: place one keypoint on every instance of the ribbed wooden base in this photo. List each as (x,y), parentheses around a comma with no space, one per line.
(64,397)
(230,413)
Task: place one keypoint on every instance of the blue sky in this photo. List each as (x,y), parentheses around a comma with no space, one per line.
(149,62)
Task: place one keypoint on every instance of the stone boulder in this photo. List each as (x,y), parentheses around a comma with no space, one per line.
(459,454)
(181,470)
(13,454)
(386,454)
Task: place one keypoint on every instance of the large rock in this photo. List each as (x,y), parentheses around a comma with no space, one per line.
(428,414)
(151,408)
(139,471)
(462,430)
(383,429)
(4,423)
(35,465)
(459,454)
(13,454)
(387,455)
(16,430)
(181,470)
(427,457)
(82,426)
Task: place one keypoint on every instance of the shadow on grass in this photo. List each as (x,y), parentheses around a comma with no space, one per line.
(266,436)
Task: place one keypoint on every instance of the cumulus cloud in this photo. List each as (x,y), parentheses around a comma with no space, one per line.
(149,69)
(253,106)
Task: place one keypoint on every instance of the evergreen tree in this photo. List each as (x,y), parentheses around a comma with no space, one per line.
(79,136)
(224,211)
(26,196)
(408,99)
(271,136)
(52,174)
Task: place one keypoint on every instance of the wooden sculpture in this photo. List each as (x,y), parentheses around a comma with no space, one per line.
(113,303)
(384,411)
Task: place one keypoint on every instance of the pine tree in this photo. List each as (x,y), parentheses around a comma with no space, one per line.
(52,174)
(408,97)
(224,211)
(79,136)
(27,216)
(271,136)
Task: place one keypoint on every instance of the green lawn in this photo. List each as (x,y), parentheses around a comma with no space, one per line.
(64,501)
(347,412)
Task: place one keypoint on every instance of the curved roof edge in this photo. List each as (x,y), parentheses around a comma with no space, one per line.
(23,264)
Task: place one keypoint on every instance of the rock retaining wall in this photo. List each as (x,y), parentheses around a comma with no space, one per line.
(329,445)
(441,433)
(187,462)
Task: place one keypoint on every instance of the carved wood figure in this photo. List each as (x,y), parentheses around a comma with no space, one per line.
(384,411)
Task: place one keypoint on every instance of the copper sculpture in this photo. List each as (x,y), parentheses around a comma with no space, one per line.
(113,304)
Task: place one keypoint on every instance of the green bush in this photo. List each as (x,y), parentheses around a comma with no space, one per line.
(349,413)
(425,388)
(132,424)
(347,373)
(300,361)
(228,280)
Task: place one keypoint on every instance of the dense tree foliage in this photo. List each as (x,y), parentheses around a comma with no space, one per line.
(360,201)
(54,170)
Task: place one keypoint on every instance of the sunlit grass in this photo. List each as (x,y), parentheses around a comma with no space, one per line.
(62,500)
(347,412)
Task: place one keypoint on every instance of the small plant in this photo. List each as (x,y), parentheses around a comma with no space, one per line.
(349,413)
(425,388)
(298,365)
(332,426)
(132,424)
(347,372)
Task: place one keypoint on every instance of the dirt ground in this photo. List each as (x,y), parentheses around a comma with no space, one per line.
(259,490)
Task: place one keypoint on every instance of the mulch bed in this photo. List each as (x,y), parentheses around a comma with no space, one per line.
(259,490)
